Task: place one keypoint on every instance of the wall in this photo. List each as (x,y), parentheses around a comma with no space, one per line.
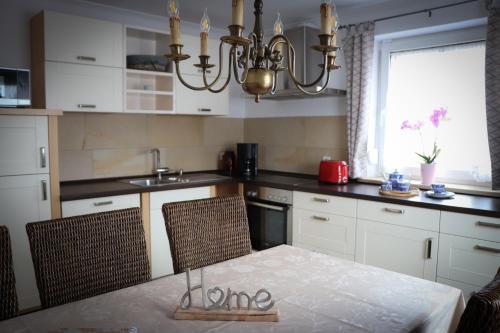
(109,145)
(297,144)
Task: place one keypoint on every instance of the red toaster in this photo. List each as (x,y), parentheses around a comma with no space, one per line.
(335,172)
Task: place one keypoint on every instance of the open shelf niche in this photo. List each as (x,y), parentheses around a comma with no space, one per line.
(149,92)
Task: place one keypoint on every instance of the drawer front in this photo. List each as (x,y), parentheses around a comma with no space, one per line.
(487,228)
(468,260)
(421,218)
(82,40)
(83,88)
(317,249)
(188,194)
(326,231)
(98,205)
(325,203)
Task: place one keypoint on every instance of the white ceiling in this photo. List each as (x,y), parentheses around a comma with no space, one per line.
(292,11)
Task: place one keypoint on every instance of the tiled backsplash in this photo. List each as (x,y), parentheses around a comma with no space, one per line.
(109,145)
(297,144)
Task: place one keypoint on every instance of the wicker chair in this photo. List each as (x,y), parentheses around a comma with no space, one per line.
(482,313)
(8,296)
(83,256)
(205,232)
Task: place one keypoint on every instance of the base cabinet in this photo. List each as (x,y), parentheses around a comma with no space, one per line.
(399,249)
(24,199)
(161,260)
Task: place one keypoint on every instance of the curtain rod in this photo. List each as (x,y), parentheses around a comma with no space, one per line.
(428,10)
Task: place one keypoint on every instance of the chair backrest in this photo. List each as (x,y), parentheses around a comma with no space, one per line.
(8,295)
(205,232)
(482,313)
(83,256)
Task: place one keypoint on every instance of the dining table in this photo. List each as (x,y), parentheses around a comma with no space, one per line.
(313,292)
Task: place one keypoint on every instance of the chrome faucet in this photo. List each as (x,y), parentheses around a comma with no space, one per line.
(158,170)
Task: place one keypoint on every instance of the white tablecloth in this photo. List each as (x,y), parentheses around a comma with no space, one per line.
(314,293)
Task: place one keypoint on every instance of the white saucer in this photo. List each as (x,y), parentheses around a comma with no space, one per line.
(443,195)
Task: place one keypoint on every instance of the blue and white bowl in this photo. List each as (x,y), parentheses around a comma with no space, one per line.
(438,188)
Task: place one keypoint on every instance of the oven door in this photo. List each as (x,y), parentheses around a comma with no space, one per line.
(270,224)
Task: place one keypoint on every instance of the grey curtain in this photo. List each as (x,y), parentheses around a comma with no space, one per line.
(358,46)
(493,90)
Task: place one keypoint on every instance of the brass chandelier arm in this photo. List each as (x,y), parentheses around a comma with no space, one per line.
(217,79)
(314,93)
(221,66)
(179,76)
(245,65)
(318,80)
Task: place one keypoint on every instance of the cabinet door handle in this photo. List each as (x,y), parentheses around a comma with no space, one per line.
(488,224)
(323,200)
(394,211)
(87,106)
(43,157)
(428,248)
(486,249)
(204,110)
(85,58)
(320,218)
(44,190)
(103,203)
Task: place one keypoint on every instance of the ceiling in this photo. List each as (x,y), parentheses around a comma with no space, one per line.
(292,12)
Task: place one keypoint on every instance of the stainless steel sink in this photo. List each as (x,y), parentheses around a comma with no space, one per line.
(166,180)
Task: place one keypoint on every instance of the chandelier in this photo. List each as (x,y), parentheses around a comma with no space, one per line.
(254,63)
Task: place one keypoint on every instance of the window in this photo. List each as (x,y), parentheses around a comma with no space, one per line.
(421,80)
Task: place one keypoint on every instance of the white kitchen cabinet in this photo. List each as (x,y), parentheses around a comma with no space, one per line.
(82,40)
(472,226)
(99,205)
(79,88)
(401,249)
(23,145)
(205,103)
(24,199)
(161,260)
(467,260)
(326,233)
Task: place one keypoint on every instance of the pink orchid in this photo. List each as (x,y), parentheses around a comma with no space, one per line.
(407,125)
(438,115)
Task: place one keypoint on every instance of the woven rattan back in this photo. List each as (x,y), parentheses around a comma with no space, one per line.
(205,232)
(482,313)
(8,296)
(83,256)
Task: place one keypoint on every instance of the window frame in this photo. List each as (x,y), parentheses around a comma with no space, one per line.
(388,46)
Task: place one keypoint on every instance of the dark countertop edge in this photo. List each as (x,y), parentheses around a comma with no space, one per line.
(137,190)
(401,201)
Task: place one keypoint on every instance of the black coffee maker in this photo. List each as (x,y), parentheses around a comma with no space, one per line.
(247,159)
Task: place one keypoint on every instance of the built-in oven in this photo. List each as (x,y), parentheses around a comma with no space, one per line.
(269,213)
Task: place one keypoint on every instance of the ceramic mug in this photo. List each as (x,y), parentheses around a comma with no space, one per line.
(438,188)
(386,186)
(403,186)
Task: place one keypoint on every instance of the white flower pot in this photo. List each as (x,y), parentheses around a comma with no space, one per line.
(428,173)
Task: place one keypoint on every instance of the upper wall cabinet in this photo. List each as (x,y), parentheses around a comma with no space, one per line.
(82,40)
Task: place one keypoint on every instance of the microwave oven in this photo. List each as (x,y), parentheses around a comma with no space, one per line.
(15,89)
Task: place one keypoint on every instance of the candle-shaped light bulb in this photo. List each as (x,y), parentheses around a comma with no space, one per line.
(205,22)
(173,8)
(205,28)
(175,22)
(326,17)
(278,30)
(335,20)
(278,26)
(237,6)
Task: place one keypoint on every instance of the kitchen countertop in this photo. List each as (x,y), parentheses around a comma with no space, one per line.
(462,203)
